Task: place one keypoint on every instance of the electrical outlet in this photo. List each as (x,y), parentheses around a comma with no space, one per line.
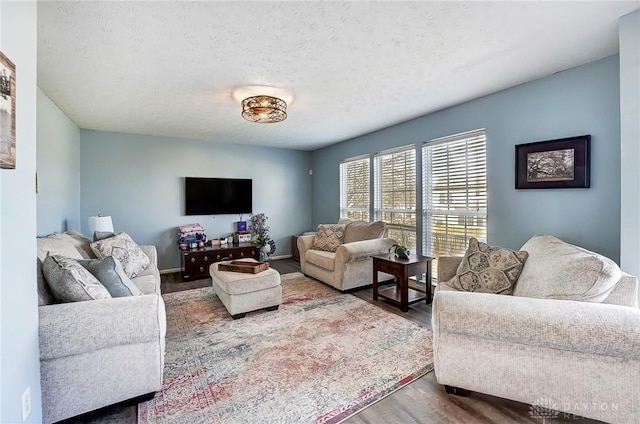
(26,404)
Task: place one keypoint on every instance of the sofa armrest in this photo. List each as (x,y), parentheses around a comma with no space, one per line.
(585,327)
(151,252)
(75,328)
(358,250)
(447,267)
(305,243)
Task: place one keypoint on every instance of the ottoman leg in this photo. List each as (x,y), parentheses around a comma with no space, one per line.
(273,308)
(237,316)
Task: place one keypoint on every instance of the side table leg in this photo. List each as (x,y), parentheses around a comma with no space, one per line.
(375,281)
(404,290)
(429,287)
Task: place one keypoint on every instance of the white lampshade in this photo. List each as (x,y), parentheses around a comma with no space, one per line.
(100,223)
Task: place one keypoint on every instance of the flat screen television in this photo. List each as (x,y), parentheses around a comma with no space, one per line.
(217,196)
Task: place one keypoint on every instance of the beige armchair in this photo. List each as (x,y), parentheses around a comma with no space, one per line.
(350,266)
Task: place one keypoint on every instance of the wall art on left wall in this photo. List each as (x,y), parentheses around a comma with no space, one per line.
(7,113)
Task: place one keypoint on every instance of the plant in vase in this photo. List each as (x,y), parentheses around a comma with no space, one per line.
(400,251)
(260,233)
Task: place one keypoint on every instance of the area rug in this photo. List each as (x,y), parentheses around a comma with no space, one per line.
(320,358)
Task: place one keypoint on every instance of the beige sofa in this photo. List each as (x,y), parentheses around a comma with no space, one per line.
(350,266)
(99,352)
(579,357)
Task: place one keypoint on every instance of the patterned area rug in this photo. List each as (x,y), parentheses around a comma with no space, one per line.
(322,357)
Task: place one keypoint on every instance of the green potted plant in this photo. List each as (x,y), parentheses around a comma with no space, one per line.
(400,251)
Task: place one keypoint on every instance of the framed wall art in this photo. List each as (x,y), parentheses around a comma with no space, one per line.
(561,163)
(7,113)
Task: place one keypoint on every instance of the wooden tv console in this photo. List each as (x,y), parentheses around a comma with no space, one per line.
(196,262)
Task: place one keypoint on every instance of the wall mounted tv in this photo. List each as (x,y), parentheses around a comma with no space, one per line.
(217,196)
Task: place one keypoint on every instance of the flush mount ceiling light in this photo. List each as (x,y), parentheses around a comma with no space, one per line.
(264,109)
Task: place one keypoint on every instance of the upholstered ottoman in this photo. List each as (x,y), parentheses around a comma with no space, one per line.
(241,293)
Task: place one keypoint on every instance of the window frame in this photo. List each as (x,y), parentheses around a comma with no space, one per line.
(476,142)
(379,210)
(344,209)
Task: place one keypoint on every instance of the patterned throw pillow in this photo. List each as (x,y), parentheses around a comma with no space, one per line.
(111,275)
(123,248)
(488,269)
(70,282)
(329,237)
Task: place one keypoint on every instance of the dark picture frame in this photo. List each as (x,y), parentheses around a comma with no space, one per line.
(561,163)
(7,113)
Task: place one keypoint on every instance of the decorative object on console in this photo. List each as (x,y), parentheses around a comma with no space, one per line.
(562,163)
(260,231)
(100,223)
(8,111)
(244,236)
(190,234)
(264,109)
(241,226)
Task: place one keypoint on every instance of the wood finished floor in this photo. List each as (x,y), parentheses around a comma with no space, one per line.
(421,402)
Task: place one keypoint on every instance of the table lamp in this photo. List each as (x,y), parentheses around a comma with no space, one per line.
(100,223)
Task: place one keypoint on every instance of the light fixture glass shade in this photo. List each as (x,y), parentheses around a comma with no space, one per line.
(264,109)
(100,223)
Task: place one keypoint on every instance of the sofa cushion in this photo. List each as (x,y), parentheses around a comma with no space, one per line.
(45,297)
(55,245)
(559,270)
(70,282)
(321,258)
(80,242)
(361,230)
(328,237)
(111,275)
(488,269)
(124,249)
(147,283)
(101,235)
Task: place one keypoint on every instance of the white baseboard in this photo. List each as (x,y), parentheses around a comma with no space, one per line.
(275,258)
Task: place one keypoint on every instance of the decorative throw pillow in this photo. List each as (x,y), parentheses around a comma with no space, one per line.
(124,249)
(111,275)
(70,282)
(488,269)
(328,237)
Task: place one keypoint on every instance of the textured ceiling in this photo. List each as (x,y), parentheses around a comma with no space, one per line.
(170,68)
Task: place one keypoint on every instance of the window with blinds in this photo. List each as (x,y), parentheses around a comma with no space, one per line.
(354,188)
(454,193)
(395,193)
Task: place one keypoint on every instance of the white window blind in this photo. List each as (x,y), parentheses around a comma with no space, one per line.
(454,193)
(354,188)
(395,193)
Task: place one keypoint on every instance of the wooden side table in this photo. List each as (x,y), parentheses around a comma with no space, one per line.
(401,295)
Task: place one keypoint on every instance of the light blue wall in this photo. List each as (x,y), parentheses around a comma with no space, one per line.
(19,346)
(583,100)
(58,164)
(630,142)
(139,181)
